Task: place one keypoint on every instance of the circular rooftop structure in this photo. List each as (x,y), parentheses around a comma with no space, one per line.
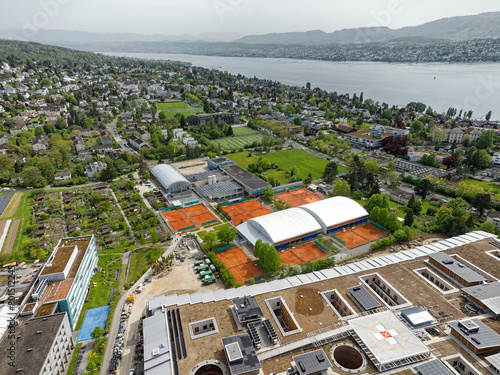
(348,358)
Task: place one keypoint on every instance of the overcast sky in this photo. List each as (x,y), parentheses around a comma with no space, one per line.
(246,17)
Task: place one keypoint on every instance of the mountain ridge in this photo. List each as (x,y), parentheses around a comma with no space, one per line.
(479,26)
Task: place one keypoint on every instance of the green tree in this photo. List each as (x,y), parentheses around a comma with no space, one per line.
(378,200)
(331,170)
(211,240)
(268,195)
(411,201)
(6,168)
(341,188)
(417,207)
(78,170)
(409,218)
(485,140)
(488,227)
(226,235)
(268,256)
(45,82)
(39,131)
(488,116)
(183,122)
(481,202)
(308,179)
(33,177)
(423,188)
(46,169)
(97,332)
(61,123)
(416,126)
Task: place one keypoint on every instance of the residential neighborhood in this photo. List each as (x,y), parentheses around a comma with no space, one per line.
(273,219)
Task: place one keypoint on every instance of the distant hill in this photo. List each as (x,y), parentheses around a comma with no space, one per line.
(481,26)
(83,37)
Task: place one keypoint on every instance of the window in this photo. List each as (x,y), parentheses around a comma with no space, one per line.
(205,327)
(196,329)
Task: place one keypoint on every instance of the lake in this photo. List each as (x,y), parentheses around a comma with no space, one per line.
(473,87)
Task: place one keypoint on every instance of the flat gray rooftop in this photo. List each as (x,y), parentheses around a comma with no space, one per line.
(457,268)
(244,177)
(482,338)
(246,360)
(434,367)
(363,297)
(489,294)
(312,362)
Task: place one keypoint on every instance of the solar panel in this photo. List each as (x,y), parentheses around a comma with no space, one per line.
(434,367)
(494,360)
(363,297)
(312,362)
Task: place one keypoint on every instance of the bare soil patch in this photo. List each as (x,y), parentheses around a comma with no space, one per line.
(11,238)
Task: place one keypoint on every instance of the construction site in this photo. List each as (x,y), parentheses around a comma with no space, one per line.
(387,314)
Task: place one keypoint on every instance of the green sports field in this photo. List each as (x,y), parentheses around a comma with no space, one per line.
(305,163)
(235,143)
(244,130)
(171,109)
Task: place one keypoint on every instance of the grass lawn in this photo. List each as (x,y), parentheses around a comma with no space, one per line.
(171,109)
(141,260)
(244,130)
(305,162)
(235,143)
(488,186)
(99,296)
(242,159)
(219,227)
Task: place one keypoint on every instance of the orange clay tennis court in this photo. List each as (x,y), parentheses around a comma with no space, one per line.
(177,219)
(360,235)
(238,263)
(241,212)
(199,214)
(298,197)
(188,217)
(302,254)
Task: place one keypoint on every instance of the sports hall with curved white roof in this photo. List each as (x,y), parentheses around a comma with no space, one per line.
(332,212)
(170,179)
(302,223)
(280,226)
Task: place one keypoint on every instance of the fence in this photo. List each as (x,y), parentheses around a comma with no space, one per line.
(224,248)
(171,208)
(209,222)
(255,279)
(338,239)
(187,228)
(190,203)
(294,188)
(380,226)
(320,245)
